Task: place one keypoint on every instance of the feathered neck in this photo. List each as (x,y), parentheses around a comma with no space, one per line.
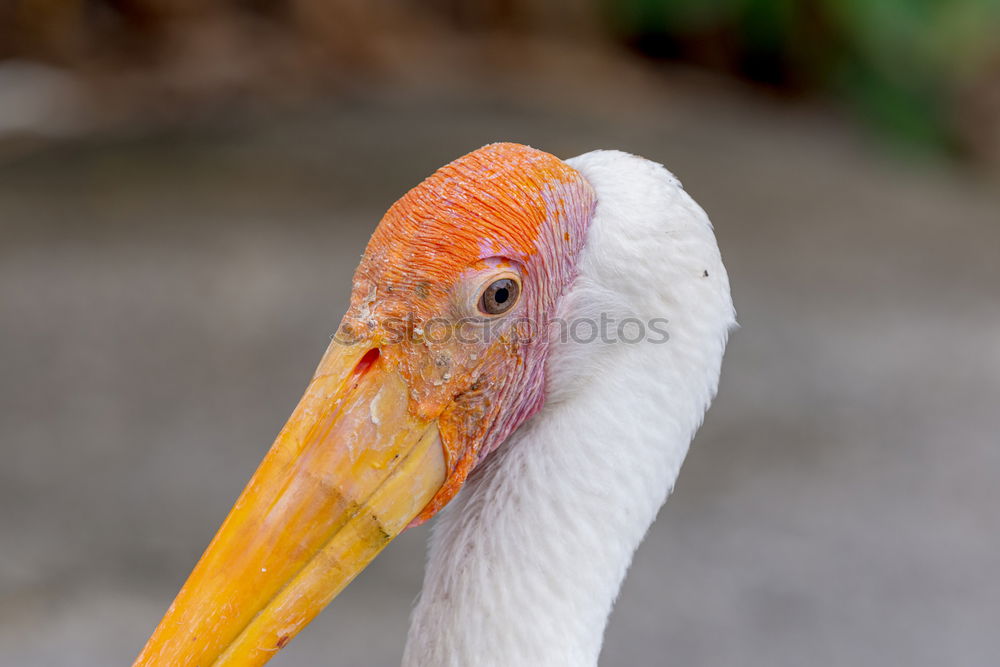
(525,564)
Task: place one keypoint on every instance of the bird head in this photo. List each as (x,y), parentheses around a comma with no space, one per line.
(440,356)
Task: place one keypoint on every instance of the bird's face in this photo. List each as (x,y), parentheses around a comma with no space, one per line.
(440,356)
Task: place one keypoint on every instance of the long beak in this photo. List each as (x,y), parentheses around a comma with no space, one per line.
(347,473)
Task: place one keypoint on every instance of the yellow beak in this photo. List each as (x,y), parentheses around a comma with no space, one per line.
(347,473)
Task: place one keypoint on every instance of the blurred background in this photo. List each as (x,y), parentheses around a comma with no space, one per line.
(186,187)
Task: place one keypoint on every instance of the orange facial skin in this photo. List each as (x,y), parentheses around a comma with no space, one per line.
(502,207)
(417,386)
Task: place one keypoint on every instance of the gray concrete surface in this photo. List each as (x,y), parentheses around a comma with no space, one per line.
(164,299)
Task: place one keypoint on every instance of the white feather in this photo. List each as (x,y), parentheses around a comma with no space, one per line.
(525,564)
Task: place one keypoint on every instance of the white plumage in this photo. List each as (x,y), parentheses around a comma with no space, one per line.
(525,564)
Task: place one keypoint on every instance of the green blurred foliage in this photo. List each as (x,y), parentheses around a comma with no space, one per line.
(924,72)
(904,64)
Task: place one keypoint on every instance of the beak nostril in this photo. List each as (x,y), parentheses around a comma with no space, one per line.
(367,361)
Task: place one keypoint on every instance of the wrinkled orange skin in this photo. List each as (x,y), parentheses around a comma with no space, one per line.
(502,207)
(379,435)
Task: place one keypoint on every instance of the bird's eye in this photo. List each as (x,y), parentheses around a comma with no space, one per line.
(500,296)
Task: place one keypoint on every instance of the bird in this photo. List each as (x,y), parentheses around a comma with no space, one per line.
(530,346)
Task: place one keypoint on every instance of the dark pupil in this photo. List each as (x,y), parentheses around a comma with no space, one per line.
(499,297)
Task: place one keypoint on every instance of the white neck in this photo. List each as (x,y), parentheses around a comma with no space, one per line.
(525,564)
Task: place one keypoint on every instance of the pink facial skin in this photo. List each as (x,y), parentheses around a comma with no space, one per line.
(503,211)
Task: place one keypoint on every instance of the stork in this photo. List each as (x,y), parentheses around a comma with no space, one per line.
(543,335)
